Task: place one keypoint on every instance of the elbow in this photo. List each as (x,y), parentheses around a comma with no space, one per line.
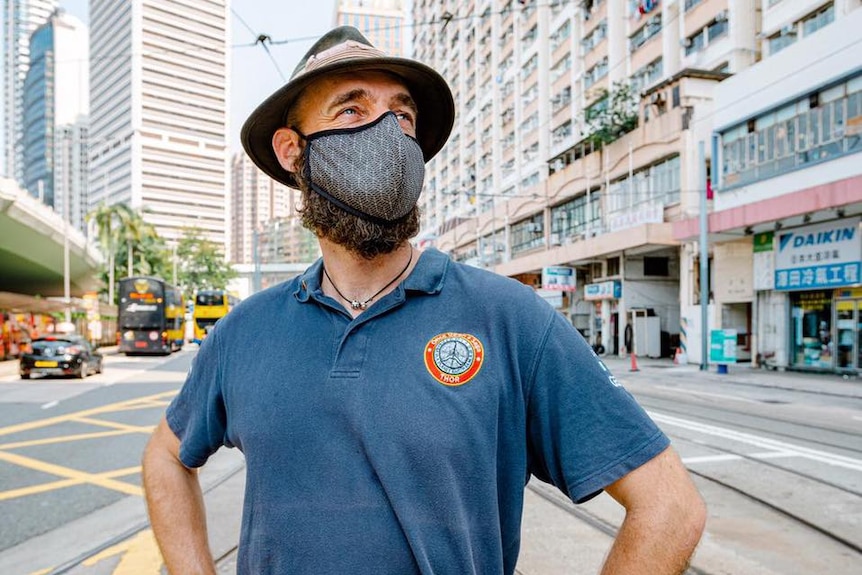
(690,520)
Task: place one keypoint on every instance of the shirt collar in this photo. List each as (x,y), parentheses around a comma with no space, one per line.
(427,276)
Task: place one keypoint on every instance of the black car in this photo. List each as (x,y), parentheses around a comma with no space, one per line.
(60,355)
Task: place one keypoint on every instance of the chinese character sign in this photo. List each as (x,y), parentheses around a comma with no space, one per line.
(819,256)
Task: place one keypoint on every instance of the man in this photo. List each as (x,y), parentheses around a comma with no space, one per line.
(392,404)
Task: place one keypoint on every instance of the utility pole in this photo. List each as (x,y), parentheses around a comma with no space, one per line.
(704,261)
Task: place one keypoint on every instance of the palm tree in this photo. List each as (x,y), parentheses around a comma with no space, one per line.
(105,217)
(135,229)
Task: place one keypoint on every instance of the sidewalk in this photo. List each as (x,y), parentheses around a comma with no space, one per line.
(740,374)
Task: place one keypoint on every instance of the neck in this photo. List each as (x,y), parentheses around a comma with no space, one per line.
(358,278)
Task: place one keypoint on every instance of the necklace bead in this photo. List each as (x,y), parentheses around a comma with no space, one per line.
(363,305)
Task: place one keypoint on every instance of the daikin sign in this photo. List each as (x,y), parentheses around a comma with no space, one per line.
(826,255)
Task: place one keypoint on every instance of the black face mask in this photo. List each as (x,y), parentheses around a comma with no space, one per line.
(374,171)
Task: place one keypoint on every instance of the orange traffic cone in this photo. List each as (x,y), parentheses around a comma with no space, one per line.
(634,366)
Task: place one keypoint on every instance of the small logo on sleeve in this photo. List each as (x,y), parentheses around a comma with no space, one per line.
(453,359)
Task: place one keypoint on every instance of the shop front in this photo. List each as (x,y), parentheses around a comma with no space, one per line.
(604,296)
(819,266)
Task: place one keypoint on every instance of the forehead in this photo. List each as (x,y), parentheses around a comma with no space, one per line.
(328,89)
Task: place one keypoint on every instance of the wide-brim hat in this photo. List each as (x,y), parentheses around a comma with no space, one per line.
(345,49)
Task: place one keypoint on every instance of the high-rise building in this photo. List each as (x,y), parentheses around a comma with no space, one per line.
(20,19)
(55,98)
(256,199)
(381,21)
(158,112)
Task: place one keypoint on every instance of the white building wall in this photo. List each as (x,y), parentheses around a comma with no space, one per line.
(159,112)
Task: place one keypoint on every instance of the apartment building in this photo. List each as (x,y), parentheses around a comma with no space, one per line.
(256,199)
(785,227)
(381,21)
(159,112)
(575,147)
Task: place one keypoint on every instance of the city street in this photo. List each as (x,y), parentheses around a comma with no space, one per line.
(777,456)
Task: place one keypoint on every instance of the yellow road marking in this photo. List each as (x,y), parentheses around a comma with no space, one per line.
(53,485)
(119,406)
(91,478)
(42,571)
(41,488)
(142,558)
(62,439)
(148,429)
(139,555)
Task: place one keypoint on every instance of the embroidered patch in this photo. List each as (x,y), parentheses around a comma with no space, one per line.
(454,358)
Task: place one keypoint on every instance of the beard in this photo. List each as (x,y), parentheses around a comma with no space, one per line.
(359,236)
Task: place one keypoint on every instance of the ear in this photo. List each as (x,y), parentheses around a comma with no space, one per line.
(287,149)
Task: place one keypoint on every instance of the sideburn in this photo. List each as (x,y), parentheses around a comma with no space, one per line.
(359,236)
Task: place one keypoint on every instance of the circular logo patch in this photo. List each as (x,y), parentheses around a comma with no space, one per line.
(454,358)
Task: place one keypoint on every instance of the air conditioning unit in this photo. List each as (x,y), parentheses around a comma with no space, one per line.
(686,43)
(656,98)
(534,227)
(555,239)
(788,30)
(721,16)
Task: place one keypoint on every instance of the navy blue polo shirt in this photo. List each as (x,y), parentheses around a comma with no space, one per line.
(400,441)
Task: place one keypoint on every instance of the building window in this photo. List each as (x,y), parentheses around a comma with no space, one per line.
(794,135)
(527,234)
(819,19)
(651,28)
(577,218)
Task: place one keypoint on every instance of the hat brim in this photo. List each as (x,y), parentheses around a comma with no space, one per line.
(436,109)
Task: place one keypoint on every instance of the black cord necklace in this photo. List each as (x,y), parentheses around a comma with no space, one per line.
(356,304)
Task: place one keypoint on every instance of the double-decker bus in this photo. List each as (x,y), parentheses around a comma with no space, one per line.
(210,306)
(151,316)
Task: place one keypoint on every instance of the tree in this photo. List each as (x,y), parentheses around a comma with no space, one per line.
(613,115)
(123,231)
(108,234)
(201,264)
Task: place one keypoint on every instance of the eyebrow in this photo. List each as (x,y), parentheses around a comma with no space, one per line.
(402,98)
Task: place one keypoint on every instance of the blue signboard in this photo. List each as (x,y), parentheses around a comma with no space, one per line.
(825,255)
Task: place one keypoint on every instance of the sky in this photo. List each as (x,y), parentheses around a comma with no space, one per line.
(293,26)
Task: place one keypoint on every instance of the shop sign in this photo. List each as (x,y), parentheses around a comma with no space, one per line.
(649,214)
(722,346)
(558,278)
(611,289)
(823,255)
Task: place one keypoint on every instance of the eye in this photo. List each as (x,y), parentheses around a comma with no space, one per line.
(348,112)
(404,117)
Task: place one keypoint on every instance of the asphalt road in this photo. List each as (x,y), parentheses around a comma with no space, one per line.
(777,457)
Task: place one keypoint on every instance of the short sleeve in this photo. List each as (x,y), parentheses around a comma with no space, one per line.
(197,414)
(585,430)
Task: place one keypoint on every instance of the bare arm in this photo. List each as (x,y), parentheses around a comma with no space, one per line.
(176,506)
(664,521)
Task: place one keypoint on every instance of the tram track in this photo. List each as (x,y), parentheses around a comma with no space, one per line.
(650,403)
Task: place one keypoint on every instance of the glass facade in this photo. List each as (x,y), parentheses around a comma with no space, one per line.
(811,345)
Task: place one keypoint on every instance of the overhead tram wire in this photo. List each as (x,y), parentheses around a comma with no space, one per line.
(262,40)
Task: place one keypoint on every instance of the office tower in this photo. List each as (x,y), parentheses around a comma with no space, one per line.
(256,199)
(381,21)
(20,19)
(159,112)
(55,98)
